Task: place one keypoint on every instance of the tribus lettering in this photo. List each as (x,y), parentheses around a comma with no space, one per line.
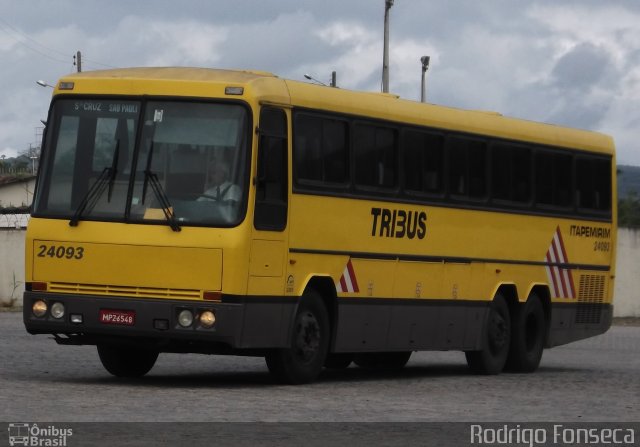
(398,223)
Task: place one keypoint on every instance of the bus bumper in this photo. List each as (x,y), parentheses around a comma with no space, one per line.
(572,322)
(240,323)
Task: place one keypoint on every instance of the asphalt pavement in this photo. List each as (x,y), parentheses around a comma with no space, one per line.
(593,380)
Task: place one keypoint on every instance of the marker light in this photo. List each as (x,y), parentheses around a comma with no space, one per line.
(76,318)
(57,310)
(211,296)
(37,286)
(39,308)
(234,90)
(66,85)
(185,318)
(207,319)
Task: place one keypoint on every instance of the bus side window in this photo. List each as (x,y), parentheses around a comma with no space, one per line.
(271,186)
(423,162)
(510,173)
(467,168)
(593,183)
(375,156)
(554,179)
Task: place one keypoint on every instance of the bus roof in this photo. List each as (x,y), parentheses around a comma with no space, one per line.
(175,74)
(266,87)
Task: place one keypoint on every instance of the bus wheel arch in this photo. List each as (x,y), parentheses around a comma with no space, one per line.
(309,340)
(496,339)
(544,294)
(529,333)
(326,288)
(509,292)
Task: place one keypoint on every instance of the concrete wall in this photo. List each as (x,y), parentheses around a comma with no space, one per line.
(626,299)
(11,266)
(626,296)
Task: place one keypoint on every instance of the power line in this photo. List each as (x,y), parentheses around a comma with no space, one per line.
(24,44)
(92,62)
(26,36)
(8,29)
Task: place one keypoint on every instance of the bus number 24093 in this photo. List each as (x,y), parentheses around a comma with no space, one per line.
(60,252)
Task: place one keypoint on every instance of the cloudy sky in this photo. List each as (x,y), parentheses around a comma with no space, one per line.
(567,62)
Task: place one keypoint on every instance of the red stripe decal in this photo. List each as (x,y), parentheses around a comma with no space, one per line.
(352,275)
(343,284)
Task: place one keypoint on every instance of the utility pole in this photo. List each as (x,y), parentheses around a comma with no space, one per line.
(385,55)
(79,61)
(425,66)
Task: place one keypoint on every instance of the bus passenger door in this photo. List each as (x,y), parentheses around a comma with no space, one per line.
(267,315)
(268,245)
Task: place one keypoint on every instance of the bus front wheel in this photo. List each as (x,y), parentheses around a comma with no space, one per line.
(302,362)
(496,340)
(528,336)
(126,362)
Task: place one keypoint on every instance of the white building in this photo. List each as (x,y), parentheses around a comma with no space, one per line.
(16,192)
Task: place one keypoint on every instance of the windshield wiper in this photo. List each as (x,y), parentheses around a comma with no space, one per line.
(151,178)
(91,197)
(108,175)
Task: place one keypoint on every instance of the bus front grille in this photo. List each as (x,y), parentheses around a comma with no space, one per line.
(124,291)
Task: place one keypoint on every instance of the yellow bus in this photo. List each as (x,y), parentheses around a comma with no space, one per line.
(235,212)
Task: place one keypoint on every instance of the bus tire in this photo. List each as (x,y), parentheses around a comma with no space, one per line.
(496,340)
(303,361)
(382,360)
(527,336)
(338,360)
(126,362)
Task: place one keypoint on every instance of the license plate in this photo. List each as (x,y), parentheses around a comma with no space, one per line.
(122,317)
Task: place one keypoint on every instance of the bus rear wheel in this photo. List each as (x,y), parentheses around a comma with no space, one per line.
(303,361)
(528,336)
(125,361)
(382,360)
(496,340)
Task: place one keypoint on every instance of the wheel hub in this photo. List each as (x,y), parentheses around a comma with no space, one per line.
(307,337)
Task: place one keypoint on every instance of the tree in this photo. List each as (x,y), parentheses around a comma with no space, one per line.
(629,211)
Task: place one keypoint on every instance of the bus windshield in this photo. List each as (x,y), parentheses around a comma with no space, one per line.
(152,162)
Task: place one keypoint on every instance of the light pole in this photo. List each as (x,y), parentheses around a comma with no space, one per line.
(42,83)
(333,80)
(33,157)
(385,51)
(425,66)
(311,78)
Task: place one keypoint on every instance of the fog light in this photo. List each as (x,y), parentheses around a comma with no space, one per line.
(39,308)
(76,318)
(185,318)
(207,319)
(161,324)
(57,310)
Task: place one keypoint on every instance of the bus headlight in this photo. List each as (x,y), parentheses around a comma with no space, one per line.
(39,308)
(207,319)
(57,310)
(185,318)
